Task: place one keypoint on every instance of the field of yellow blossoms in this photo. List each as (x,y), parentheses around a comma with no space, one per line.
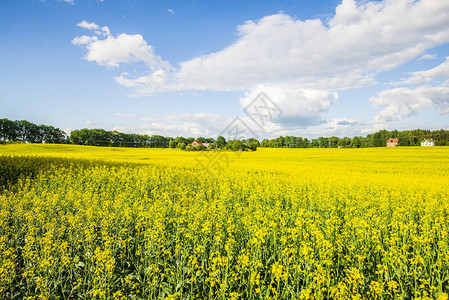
(80,222)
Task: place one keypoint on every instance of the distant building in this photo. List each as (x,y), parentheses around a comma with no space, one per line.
(392,142)
(196,143)
(207,145)
(428,143)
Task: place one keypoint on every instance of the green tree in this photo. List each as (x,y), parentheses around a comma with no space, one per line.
(356,142)
(27,132)
(52,135)
(333,141)
(172,144)
(377,141)
(237,145)
(221,142)
(9,130)
(305,143)
(265,143)
(181,146)
(280,142)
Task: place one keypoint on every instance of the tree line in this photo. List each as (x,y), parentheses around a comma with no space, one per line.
(24,131)
(101,137)
(377,139)
(220,143)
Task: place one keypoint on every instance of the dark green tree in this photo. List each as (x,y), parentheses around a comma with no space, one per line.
(237,145)
(221,142)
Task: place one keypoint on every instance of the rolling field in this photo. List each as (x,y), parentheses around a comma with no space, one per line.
(80,222)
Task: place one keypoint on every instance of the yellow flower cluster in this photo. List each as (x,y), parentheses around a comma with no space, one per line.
(273,224)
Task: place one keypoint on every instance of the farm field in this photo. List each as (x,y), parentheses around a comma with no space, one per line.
(80,222)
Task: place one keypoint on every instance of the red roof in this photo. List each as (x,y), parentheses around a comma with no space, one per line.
(393,140)
(198,142)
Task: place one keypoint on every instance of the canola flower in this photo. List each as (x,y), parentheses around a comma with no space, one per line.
(274,224)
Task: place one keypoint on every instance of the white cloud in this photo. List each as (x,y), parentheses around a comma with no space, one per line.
(427,76)
(119,129)
(86,25)
(201,124)
(212,125)
(112,51)
(340,127)
(338,123)
(429,92)
(290,104)
(360,40)
(84,40)
(171,11)
(144,85)
(403,102)
(94,27)
(302,62)
(187,125)
(68,1)
(427,57)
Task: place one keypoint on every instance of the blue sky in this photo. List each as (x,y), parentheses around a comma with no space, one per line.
(191,67)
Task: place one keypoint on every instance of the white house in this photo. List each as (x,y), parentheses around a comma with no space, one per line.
(428,143)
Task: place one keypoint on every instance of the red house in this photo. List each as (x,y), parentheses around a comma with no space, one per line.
(196,143)
(392,142)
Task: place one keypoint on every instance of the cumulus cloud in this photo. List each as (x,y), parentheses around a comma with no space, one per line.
(95,28)
(119,129)
(340,127)
(360,40)
(288,103)
(147,84)
(213,125)
(430,90)
(302,63)
(427,57)
(201,124)
(403,102)
(86,25)
(337,123)
(111,51)
(427,76)
(187,125)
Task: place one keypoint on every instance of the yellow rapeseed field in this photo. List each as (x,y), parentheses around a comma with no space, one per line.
(80,222)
